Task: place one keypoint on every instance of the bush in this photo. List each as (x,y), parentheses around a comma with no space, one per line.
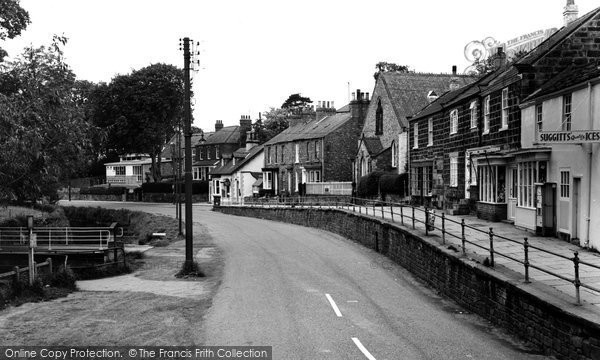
(64,278)
(90,216)
(368,185)
(393,184)
(157,187)
(98,190)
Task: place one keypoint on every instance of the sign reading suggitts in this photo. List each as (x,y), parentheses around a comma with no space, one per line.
(569,137)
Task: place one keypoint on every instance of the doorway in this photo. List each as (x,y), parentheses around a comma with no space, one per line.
(575,211)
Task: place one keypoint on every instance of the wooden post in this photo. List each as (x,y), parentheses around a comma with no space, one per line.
(17,274)
(49,261)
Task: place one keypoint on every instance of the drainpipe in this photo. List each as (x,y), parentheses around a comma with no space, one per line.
(591,153)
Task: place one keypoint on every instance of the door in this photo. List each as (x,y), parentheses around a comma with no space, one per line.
(512,193)
(575,211)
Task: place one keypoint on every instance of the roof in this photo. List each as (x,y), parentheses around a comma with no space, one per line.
(130,162)
(226,135)
(229,168)
(408,91)
(571,76)
(372,144)
(196,137)
(314,129)
(206,162)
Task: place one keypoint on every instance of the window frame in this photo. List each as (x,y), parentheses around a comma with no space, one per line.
(416,135)
(453,170)
(486,115)
(565,187)
(505,107)
(567,112)
(539,117)
(430,131)
(453,121)
(473,112)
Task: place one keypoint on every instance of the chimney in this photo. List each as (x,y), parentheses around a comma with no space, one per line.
(218,125)
(251,140)
(454,85)
(499,58)
(245,126)
(571,12)
(358,109)
(325,108)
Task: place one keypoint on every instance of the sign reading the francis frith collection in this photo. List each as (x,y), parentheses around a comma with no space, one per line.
(569,137)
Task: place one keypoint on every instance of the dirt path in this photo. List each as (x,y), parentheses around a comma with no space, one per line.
(149,307)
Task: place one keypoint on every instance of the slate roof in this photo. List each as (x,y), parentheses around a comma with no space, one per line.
(314,129)
(228,168)
(227,135)
(195,141)
(408,91)
(373,145)
(571,76)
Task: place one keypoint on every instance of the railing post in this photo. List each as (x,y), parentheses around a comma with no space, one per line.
(577,282)
(491,247)
(373,208)
(526,262)
(17,275)
(100,236)
(402,215)
(392,211)
(443,228)
(49,239)
(462,238)
(49,261)
(382,215)
(426,221)
(413,216)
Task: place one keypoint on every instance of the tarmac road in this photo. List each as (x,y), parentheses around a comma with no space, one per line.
(314,295)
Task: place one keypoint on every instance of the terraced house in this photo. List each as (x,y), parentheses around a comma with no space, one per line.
(314,156)
(468,143)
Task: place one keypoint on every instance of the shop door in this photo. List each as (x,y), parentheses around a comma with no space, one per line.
(575,219)
(512,193)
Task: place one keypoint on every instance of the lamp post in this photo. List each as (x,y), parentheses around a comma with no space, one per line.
(189,243)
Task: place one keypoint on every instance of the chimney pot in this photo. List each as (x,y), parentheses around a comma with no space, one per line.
(353,96)
(367,96)
(332,105)
(453,69)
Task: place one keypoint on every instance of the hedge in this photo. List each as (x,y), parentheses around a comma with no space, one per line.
(368,185)
(393,184)
(97,190)
(198,187)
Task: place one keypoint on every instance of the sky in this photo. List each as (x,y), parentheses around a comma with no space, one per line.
(254,54)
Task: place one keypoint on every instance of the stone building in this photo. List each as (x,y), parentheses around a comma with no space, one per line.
(467,143)
(314,150)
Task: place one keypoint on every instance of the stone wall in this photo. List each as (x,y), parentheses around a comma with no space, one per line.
(552,325)
(491,211)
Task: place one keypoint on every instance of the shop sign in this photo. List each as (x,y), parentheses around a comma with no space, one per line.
(569,137)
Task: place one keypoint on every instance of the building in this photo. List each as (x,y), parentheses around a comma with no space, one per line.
(208,151)
(315,150)
(130,171)
(233,179)
(473,147)
(383,143)
(560,137)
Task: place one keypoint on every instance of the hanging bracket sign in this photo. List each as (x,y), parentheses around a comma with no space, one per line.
(569,137)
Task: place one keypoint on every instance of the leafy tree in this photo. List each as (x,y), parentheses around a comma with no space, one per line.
(296,101)
(43,131)
(13,20)
(276,120)
(383,66)
(140,111)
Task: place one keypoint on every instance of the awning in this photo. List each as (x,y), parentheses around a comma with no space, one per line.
(257,182)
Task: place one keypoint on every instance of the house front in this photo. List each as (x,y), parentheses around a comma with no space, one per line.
(131,171)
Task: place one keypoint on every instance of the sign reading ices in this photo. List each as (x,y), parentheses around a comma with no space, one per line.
(569,137)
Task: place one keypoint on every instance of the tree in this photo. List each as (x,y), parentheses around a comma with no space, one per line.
(296,101)
(276,120)
(140,111)
(43,131)
(13,20)
(383,66)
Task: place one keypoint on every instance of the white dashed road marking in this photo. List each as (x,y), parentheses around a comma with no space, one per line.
(333,305)
(363,349)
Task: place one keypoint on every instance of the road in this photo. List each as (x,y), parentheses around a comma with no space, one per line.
(314,295)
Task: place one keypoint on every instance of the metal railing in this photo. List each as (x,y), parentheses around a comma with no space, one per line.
(329,188)
(60,238)
(424,218)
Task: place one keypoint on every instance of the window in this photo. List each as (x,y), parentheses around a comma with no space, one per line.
(430,132)
(416,135)
(275,156)
(565,184)
(267,180)
(473,108)
(137,171)
(297,148)
(208,153)
(119,170)
(566,119)
(526,177)
(200,153)
(394,154)
(216,152)
(289,180)
(216,186)
(196,173)
(538,117)
(282,153)
(427,180)
(492,183)
(314,176)
(486,115)
(453,121)
(454,170)
(269,159)
(317,149)
(379,119)
(504,108)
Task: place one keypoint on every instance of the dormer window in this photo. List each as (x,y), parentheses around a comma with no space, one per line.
(379,119)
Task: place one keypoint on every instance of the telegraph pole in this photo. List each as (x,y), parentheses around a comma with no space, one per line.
(189,242)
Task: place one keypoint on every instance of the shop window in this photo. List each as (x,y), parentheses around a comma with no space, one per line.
(492,183)
(527,176)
